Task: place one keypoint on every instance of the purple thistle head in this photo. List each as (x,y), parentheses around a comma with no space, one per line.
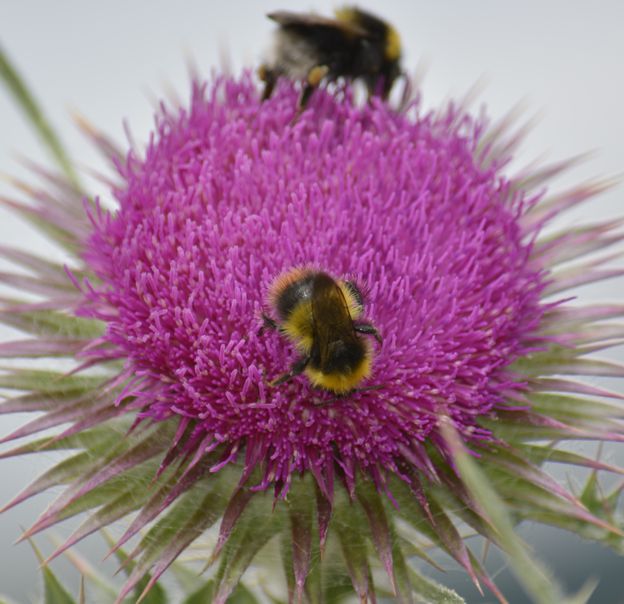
(416,209)
(230,194)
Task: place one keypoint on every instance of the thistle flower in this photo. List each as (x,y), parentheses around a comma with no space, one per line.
(169,403)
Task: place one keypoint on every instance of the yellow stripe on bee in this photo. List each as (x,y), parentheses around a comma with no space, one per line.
(298,326)
(345,14)
(354,307)
(392,51)
(340,383)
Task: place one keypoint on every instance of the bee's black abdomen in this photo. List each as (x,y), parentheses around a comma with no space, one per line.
(341,357)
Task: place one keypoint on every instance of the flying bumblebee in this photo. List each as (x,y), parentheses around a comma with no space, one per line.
(354,45)
(319,315)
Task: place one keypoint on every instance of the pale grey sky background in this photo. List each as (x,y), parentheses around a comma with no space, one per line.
(109,59)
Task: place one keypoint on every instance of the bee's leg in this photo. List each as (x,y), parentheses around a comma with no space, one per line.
(365,388)
(269,77)
(368,329)
(315,75)
(296,369)
(267,323)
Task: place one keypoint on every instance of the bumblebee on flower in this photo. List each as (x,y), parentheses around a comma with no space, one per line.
(318,315)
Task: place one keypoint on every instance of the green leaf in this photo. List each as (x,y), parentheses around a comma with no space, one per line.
(517,428)
(526,497)
(118,497)
(372,504)
(590,497)
(450,500)
(565,360)
(53,323)
(314,582)
(156,594)
(348,523)
(242,595)
(286,551)
(207,513)
(97,485)
(67,239)
(432,592)
(62,473)
(202,595)
(53,590)
(26,101)
(567,408)
(611,500)
(185,575)
(256,526)
(338,585)
(439,529)
(538,583)
(135,491)
(584,594)
(578,527)
(299,546)
(300,506)
(548,453)
(52,271)
(126,564)
(49,382)
(402,581)
(103,436)
(192,513)
(102,590)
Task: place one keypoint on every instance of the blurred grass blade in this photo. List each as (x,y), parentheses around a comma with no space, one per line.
(53,590)
(33,112)
(154,595)
(241,595)
(533,576)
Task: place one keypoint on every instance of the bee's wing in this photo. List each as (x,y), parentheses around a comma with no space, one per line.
(333,325)
(287,18)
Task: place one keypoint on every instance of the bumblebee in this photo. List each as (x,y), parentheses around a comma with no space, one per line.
(311,48)
(320,316)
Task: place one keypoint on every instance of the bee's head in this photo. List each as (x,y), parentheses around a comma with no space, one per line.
(384,52)
(382,84)
(381,81)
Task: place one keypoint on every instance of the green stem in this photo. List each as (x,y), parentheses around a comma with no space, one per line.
(33,112)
